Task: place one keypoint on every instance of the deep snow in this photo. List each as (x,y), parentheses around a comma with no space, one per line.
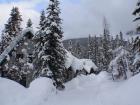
(83,90)
(79,64)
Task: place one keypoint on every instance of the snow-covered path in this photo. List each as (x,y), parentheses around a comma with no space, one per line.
(83,90)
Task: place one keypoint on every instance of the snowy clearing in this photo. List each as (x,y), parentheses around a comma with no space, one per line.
(83,90)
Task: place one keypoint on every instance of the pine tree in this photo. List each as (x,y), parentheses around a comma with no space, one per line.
(95,51)
(78,50)
(137,14)
(42,20)
(117,41)
(113,44)
(101,54)
(107,56)
(106,29)
(29,23)
(53,56)
(70,46)
(39,51)
(121,39)
(90,48)
(12,28)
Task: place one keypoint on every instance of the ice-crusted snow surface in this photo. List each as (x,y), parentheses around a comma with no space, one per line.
(79,64)
(83,90)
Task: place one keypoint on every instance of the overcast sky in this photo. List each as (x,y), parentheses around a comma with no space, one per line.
(80,17)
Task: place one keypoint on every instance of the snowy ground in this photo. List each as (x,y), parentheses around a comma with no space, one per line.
(83,90)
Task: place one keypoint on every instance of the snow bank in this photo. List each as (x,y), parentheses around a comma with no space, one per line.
(39,90)
(12,93)
(126,94)
(83,90)
(79,64)
(98,90)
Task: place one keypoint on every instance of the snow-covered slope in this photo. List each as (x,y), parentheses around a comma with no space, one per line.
(83,90)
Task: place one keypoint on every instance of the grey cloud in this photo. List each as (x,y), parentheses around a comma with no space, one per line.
(86,18)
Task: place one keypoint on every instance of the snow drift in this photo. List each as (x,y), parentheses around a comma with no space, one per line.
(83,90)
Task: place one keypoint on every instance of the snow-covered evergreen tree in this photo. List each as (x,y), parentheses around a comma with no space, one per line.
(106,29)
(137,14)
(95,50)
(106,45)
(90,48)
(53,55)
(107,56)
(29,23)
(112,42)
(70,46)
(136,49)
(120,66)
(42,20)
(117,41)
(101,54)
(78,50)
(121,39)
(12,28)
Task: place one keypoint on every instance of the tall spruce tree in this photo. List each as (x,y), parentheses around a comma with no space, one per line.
(106,29)
(42,20)
(106,44)
(78,50)
(137,14)
(121,39)
(90,47)
(29,23)
(95,51)
(117,41)
(54,52)
(39,51)
(12,28)
(70,46)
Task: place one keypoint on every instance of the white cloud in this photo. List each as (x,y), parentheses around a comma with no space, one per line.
(85,17)
(79,19)
(26,8)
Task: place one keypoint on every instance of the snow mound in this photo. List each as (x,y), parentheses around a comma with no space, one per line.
(79,64)
(12,93)
(40,90)
(126,94)
(83,90)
